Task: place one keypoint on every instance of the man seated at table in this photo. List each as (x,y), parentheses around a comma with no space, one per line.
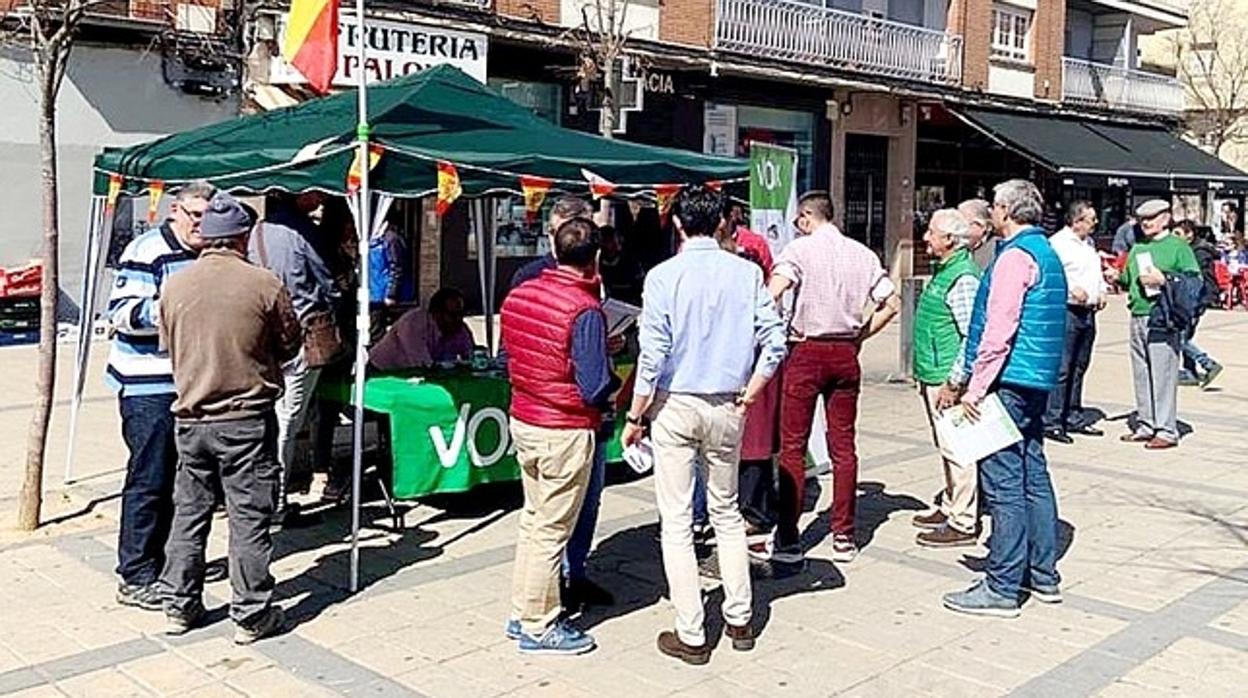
(554,335)
(425,337)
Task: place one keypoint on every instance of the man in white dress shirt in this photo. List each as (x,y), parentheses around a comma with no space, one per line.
(1086,285)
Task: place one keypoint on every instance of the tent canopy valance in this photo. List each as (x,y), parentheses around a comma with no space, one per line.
(440,114)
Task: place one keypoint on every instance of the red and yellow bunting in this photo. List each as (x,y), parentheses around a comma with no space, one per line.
(534,190)
(114,191)
(155,190)
(449,188)
(353,174)
(665,196)
(311,42)
(598,186)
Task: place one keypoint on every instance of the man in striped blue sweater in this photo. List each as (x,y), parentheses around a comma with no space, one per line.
(140,373)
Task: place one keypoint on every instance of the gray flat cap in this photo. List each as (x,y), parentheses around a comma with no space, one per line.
(1152,208)
(224,218)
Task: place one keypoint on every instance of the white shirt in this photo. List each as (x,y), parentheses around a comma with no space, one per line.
(1082,265)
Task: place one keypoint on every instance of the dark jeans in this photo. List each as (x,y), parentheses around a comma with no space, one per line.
(1067,396)
(1194,356)
(1019,497)
(830,369)
(147,496)
(577,553)
(756,494)
(241,456)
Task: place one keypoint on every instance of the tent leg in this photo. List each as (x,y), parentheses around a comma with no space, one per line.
(92,256)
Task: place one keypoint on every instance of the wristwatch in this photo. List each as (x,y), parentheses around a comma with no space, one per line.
(635,421)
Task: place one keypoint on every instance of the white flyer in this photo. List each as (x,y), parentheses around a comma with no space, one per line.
(965,442)
(1144,263)
(620,316)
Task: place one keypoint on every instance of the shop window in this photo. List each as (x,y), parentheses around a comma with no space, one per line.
(792,129)
(542,98)
(1011,33)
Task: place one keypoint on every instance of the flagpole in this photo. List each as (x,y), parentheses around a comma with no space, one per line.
(363,230)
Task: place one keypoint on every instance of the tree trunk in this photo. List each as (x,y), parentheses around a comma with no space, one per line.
(31,498)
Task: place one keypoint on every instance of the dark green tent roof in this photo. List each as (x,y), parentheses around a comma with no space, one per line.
(439,114)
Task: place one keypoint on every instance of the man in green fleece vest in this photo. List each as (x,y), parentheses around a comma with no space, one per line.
(940,329)
(1154,353)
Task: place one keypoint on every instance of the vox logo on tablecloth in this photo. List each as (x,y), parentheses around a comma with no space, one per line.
(466,433)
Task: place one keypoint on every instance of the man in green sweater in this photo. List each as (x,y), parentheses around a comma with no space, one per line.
(1154,353)
(940,328)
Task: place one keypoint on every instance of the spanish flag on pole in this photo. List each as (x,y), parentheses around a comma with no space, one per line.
(311,43)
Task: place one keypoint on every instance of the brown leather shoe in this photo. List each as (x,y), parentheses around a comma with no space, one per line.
(742,636)
(931,521)
(1135,438)
(946,537)
(1157,443)
(672,646)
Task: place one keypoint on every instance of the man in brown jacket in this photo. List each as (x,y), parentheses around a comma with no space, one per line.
(228,327)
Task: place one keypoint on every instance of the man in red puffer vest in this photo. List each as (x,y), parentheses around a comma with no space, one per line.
(554,335)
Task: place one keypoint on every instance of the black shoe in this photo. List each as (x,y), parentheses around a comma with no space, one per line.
(1058,435)
(1085,430)
(147,597)
(272,622)
(582,592)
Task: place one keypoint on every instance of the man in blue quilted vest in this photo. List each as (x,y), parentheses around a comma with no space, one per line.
(1014,348)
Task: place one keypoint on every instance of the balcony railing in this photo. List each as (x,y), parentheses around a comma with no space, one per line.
(792,31)
(1085,82)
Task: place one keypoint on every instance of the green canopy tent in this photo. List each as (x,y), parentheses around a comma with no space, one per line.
(417,123)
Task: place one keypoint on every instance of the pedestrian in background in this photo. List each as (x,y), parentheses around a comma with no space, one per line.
(1015,347)
(140,374)
(941,324)
(983,239)
(1085,297)
(554,335)
(229,326)
(1199,368)
(711,339)
(1154,350)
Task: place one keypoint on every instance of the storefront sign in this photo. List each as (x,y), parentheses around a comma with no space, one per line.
(394,49)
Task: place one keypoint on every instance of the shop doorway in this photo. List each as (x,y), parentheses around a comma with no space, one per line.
(866,189)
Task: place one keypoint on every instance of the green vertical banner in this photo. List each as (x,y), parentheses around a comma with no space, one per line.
(773,193)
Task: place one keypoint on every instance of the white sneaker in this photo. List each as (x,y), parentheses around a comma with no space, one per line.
(844,549)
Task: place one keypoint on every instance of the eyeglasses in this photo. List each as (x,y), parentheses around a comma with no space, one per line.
(193,215)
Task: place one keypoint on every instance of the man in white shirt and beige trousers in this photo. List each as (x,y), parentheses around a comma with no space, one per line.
(1086,296)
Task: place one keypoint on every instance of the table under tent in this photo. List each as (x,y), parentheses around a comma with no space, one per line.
(438,132)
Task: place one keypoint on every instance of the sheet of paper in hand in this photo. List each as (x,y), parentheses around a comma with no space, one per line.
(965,442)
(620,316)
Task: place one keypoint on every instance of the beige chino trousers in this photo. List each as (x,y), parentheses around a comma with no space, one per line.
(960,501)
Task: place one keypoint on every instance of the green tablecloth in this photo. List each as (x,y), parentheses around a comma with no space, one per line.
(448,431)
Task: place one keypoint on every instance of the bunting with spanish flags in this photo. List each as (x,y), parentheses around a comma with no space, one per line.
(534,190)
(353,174)
(155,190)
(114,191)
(449,188)
(665,196)
(311,41)
(598,185)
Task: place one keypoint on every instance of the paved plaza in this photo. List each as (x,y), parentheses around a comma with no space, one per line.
(1155,569)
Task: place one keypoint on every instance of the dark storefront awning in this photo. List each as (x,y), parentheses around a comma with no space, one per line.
(1099,153)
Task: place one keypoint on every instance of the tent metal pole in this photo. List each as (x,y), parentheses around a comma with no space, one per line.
(363,230)
(86,324)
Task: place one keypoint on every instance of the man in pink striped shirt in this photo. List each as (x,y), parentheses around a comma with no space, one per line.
(843,296)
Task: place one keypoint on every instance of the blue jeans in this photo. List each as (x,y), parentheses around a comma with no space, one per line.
(587,521)
(147,496)
(1020,499)
(700,515)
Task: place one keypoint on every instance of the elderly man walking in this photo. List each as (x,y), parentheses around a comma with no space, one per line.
(1085,297)
(837,280)
(139,372)
(229,327)
(1154,351)
(940,330)
(711,339)
(554,334)
(1015,348)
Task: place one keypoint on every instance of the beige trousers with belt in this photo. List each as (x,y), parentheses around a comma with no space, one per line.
(960,500)
(700,431)
(554,471)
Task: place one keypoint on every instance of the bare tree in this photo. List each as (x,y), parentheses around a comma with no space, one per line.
(602,35)
(46,29)
(1212,58)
